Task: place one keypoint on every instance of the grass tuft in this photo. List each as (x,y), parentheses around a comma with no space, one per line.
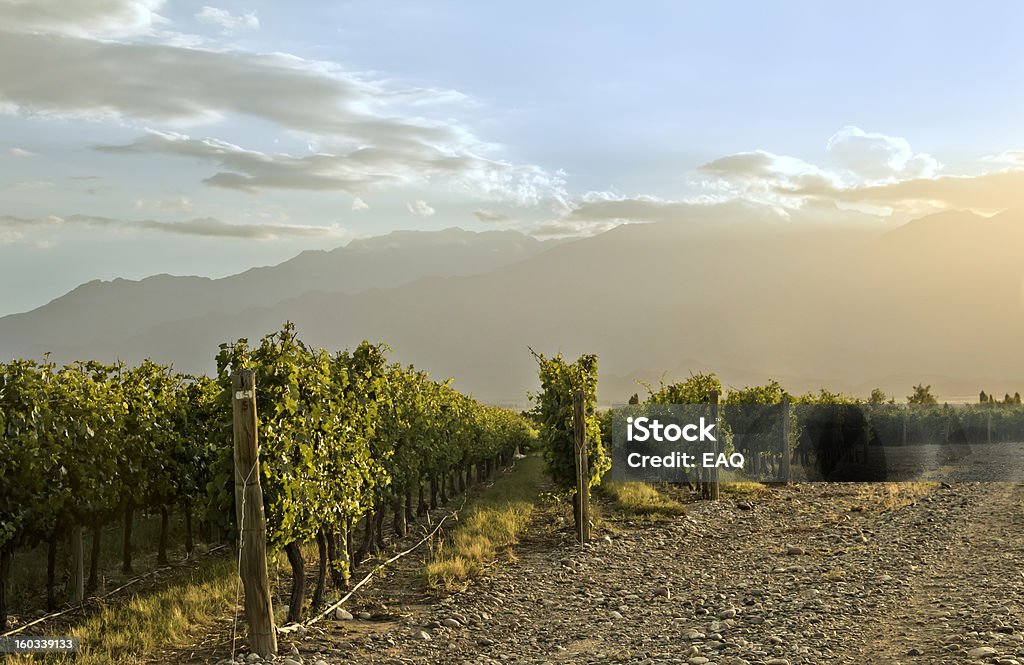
(494,522)
(641,500)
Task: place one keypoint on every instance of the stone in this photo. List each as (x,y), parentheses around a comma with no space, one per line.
(423,635)
(451,623)
(342,614)
(982,652)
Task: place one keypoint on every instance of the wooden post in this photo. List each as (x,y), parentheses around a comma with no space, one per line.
(77,582)
(252,524)
(787,470)
(582,466)
(715,448)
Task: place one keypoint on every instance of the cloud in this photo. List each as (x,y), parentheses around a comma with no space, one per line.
(353,171)
(875,156)
(1015,157)
(876,174)
(366,133)
(420,209)
(992,191)
(490,216)
(181,204)
(359,204)
(83,18)
(226,20)
(20,152)
(14,228)
(567,228)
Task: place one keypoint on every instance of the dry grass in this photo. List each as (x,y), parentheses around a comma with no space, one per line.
(131,632)
(743,490)
(641,500)
(493,523)
(890,496)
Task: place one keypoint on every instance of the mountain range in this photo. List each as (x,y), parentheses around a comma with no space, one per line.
(939,300)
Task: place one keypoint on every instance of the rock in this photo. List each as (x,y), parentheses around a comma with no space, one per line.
(915,652)
(253,658)
(616,615)
(451,623)
(342,614)
(982,652)
(484,642)
(698,660)
(793,550)
(364,616)
(777,661)
(423,635)
(291,661)
(663,591)
(727,614)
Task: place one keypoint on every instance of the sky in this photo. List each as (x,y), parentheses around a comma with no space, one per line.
(140,137)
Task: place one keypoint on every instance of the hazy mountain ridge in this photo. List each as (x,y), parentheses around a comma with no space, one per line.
(109,311)
(839,308)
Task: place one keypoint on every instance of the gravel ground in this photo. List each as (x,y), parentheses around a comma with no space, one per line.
(804,574)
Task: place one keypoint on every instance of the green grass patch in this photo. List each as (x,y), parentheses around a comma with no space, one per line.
(494,522)
(640,500)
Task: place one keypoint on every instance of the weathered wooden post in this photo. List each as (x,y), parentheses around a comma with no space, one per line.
(582,466)
(252,524)
(787,471)
(714,493)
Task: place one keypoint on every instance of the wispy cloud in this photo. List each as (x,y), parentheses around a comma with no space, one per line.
(14,228)
(19,152)
(83,18)
(180,204)
(397,161)
(420,209)
(226,20)
(491,217)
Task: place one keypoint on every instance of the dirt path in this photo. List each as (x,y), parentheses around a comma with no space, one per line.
(968,596)
(806,574)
